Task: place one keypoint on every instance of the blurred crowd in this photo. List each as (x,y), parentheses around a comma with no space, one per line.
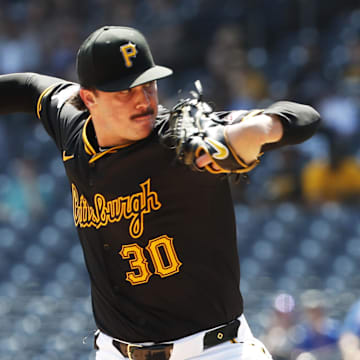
(247,54)
(307,331)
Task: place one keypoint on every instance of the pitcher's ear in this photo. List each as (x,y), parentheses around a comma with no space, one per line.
(88,97)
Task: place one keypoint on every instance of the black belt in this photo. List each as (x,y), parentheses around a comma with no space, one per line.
(163,351)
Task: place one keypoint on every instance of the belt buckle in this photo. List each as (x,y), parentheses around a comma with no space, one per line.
(130,349)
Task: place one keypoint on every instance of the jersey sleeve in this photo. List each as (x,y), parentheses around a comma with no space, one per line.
(55,112)
(299,121)
(42,95)
(20,91)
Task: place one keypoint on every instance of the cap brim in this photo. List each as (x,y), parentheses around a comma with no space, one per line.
(154,73)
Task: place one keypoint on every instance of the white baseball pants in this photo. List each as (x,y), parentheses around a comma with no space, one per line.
(246,347)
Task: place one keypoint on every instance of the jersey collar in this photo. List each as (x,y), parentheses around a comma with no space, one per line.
(89,133)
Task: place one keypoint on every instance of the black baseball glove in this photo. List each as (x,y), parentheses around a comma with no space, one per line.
(194,129)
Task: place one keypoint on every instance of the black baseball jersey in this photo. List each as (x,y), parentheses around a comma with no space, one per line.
(159,239)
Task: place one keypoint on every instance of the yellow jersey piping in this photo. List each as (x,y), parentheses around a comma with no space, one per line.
(45,92)
(90,149)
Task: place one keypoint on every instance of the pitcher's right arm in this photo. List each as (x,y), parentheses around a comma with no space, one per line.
(20,91)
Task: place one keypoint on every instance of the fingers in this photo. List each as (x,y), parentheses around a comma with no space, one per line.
(204,160)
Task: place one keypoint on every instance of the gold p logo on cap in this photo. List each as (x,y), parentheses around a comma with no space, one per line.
(128,51)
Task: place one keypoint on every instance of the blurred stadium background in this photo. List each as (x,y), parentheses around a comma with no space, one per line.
(298,214)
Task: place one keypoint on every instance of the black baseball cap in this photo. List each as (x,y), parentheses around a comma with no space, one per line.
(115,58)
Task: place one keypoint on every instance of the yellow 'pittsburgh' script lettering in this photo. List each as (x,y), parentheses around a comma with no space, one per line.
(132,207)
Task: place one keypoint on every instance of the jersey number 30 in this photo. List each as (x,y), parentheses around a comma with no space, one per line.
(163,257)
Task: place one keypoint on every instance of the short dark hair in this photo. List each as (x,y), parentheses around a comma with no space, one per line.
(76,100)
